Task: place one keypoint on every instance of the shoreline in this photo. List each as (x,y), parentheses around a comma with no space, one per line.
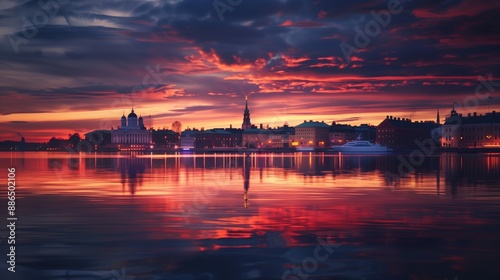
(439,150)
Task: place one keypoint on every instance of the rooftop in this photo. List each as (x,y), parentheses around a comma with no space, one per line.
(215,131)
(408,123)
(311,124)
(256,131)
(189,133)
(342,128)
(474,118)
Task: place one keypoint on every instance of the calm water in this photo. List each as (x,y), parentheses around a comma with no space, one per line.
(275,216)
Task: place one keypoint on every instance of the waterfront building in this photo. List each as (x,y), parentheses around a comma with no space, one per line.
(237,134)
(188,138)
(367,132)
(471,131)
(99,139)
(165,138)
(215,138)
(255,137)
(311,134)
(340,134)
(132,134)
(281,137)
(403,133)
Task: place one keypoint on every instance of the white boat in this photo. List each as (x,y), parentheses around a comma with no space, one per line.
(361,147)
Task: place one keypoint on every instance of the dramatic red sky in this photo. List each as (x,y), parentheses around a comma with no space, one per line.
(177,60)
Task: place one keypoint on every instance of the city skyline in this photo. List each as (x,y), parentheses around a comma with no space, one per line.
(183,62)
(116,123)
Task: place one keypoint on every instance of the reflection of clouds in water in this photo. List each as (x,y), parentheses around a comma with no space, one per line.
(278,230)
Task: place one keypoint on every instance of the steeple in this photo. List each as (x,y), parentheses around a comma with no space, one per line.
(438,119)
(246,116)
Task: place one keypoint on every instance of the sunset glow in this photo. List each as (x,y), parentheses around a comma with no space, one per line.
(175,61)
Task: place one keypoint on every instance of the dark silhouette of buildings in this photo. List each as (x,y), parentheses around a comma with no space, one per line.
(165,138)
(100,139)
(213,138)
(343,133)
(402,133)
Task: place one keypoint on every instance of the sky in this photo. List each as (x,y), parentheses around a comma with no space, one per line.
(76,66)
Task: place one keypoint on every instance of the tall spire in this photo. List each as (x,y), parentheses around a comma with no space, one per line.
(438,119)
(246,116)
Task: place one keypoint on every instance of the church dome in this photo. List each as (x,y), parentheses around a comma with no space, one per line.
(140,118)
(123,117)
(132,114)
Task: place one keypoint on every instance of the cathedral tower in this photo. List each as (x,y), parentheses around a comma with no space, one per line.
(246,116)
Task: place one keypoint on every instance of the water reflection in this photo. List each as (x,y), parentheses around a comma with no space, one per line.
(466,175)
(438,221)
(131,171)
(246,178)
(453,174)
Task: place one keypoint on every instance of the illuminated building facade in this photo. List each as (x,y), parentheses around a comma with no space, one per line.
(471,131)
(132,134)
(311,134)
